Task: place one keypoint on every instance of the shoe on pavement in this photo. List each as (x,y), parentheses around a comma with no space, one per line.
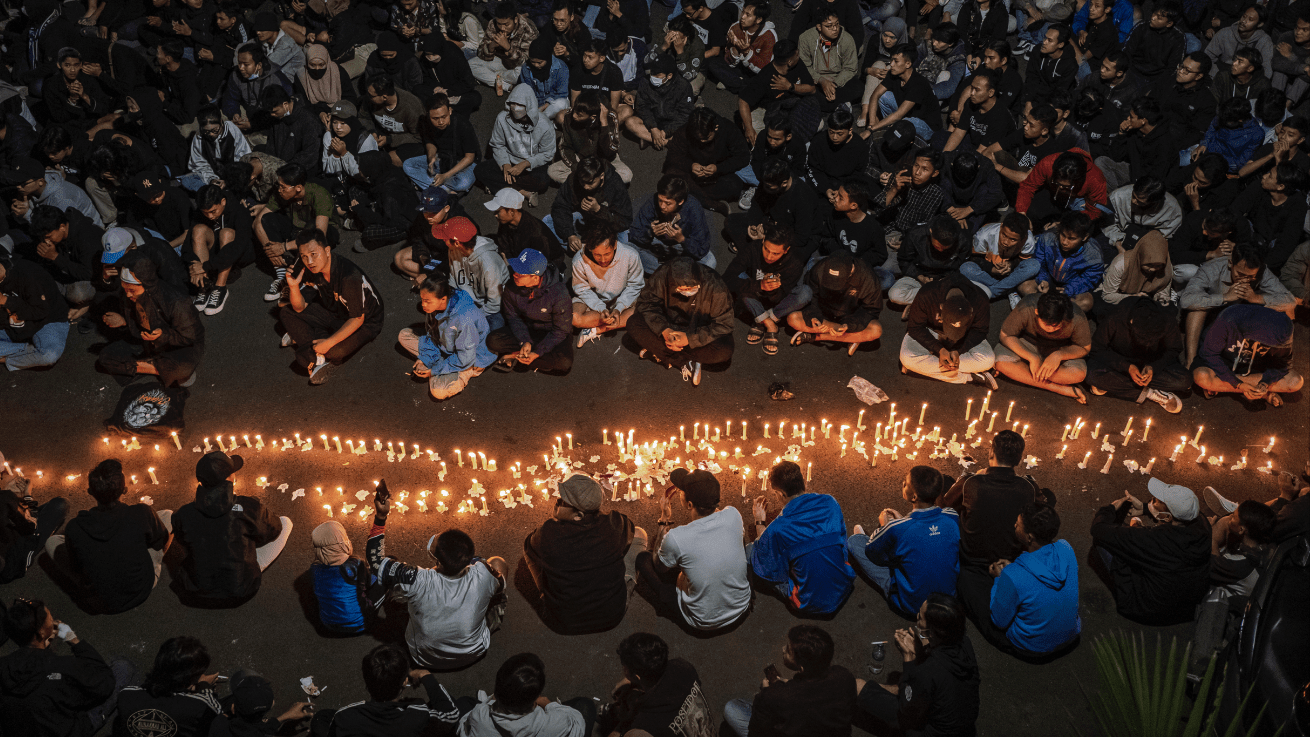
(641,353)
(319,374)
(286,340)
(987,378)
(217,299)
(1014,299)
(747,197)
(587,335)
(191,380)
(202,299)
(1170,401)
(275,288)
(691,372)
(1217,503)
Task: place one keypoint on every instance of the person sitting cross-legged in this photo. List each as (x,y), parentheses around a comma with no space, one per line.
(1135,355)
(25,526)
(928,252)
(451,349)
(766,280)
(1002,257)
(607,279)
(1244,278)
(538,318)
(1248,350)
(583,561)
(1043,342)
(164,336)
(818,700)
(802,552)
(845,307)
(658,695)
(1069,261)
(35,315)
(946,333)
(387,671)
(684,318)
(516,707)
(909,557)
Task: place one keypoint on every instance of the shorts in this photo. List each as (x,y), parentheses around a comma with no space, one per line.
(1003,353)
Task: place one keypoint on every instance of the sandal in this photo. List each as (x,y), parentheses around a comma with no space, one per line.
(1080,395)
(1209,394)
(86,22)
(854,347)
(755,335)
(771,343)
(802,337)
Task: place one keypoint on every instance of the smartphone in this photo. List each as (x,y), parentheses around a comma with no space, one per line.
(771,673)
(221,679)
(383,493)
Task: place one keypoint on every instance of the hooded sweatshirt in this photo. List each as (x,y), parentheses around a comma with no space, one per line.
(1246,339)
(545,308)
(210,158)
(939,692)
(704,317)
(1035,599)
(614,288)
(165,308)
(482,275)
(921,259)
(1079,272)
(553,720)
(1158,574)
(47,695)
(532,140)
(220,531)
(455,339)
(247,92)
(110,547)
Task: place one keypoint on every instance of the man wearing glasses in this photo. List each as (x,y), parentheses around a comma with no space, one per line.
(1187,102)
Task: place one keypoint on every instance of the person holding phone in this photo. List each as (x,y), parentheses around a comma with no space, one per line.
(820,700)
(162,336)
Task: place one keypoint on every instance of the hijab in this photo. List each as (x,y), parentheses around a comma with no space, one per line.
(326,90)
(389,41)
(355,138)
(1151,249)
(331,544)
(897,26)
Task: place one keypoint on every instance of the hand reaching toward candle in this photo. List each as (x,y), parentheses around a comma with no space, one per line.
(760,509)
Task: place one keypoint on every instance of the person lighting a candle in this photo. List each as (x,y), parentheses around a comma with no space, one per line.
(946,333)
(1248,350)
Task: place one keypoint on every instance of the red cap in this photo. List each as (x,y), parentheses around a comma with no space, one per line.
(455,229)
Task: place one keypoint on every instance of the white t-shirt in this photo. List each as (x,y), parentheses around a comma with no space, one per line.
(448,616)
(711,552)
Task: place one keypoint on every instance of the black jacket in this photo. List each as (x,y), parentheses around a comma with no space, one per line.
(704,318)
(860,299)
(988,503)
(182,93)
(745,275)
(581,565)
(665,107)
(1190,110)
(1160,573)
(1115,346)
(979,31)
(167,309)
(925,314)
(298,139)
(1153,154)
(939,692)
(615,205)
(831,165)
(34,298)
(110,550)
(404,718)
(806,706)
(47,695)
(918,258)
(77,256)
(1155,52)
(798,208)
(728,152)
(220,532)
(182,714)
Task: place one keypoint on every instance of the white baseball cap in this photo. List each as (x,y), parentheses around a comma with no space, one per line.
(506,197)
(1180,500)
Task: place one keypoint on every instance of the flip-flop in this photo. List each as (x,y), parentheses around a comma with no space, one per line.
(802,337)
(771,343)
(1209,394)
(755,335)
(854,347)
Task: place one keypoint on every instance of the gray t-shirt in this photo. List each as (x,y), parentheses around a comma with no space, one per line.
(448,616)
(711,553)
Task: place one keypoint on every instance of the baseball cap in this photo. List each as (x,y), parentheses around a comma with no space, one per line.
(433,199)
(127,276)
(529,262)
(700,487)
(834,270)
(23,171)
(581,492)
(901,137)
(147,186)
(266,22)
(252,695)
(455,229)
(115,241)
(343,109)
(214,467)
(506,197)
(957,316)
(1180,500)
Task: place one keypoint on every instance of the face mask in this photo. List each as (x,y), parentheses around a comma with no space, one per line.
(688,292)
(316,73)
(656,81)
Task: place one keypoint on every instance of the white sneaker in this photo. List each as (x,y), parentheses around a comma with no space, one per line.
(274,292)
(859,530)
(286,340)
(319,373)
(586,336)
(1014,299)
(1171,402)
(747,197)
(1216,502)
(691,372)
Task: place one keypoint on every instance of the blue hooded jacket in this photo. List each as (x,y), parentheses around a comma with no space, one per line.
(923,552)
(1122,13)
(1035,599)
(806,546)
(1235,145)
(456,339)
(1078,274)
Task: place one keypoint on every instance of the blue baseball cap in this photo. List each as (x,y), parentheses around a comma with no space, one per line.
(116,241)
(433,199)
(530,262)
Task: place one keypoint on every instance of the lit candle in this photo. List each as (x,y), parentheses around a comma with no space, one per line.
(1149,465)
(1060,456)
(1024,434)
(1015,426)
(1127,426)
(1108,462)
(842,434)
(745,476)
(218,438)
(877,433)
(483,458)
(717,434)
(859,421)
(605,435)
(337,440)
(150,471)
(1201,458)
(1077,428)
(350,444)
(766,430)
(325,442)
(1197,439)
(1086,458)
(987,402)
(682,433)
(1127,437)
(133,479)
(1147,430)
(743,429)
(459,457)
(1065,436)
(728,431)
(176,442)
(570,440)
(377,445)
(1096,431)
(443,469)
(630,432)
(1270,447)
(328,507)
(968,410)
(1008,411)
(992,422)
(1177,449)
(737,453)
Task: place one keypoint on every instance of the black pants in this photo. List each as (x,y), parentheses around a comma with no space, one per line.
(314,323)
(237,253)
(849,93)
(727,188)
(1172,378)
(665,591)
(490,175)
(717,351)
(735,230)
(733,78)
(15,561)
(560,359)
(174,365)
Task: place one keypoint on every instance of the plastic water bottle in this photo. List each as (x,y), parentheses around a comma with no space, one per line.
(879,654)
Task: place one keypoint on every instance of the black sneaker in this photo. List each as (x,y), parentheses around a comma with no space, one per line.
(217,299)
(275,288)
(202,299)
(319,374)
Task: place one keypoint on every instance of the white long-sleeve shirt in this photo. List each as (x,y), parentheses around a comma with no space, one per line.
(200,166)
(617,289)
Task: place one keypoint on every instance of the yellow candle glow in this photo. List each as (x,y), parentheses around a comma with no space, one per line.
(1024,434)
(1149,465)
(766,429)
(630,432)
(459,457)
(987,401)
(150,471)
(1065,436)
(1270,447)
(325,442)
(682,433)
(1008,411)
(992,422)
(728,431)
(1096,431)
(1127,437)
(1086,458)
(743,429)
(605,435)
(337,440)
(1127,426)
(1108,462)
(1060,456)
(218,438)
(859,421)
(1201,458)
(570,440)
(176,442)
(1197,439)
(923,411)
(809,471)
(259,442)
(968,410)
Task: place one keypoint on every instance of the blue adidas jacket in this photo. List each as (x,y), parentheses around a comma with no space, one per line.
(923,553)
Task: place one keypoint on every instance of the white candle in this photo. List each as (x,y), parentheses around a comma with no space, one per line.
(743,429)
(218,438)
(717,434)
(1150,464)
(859,421)
(992,422)
(150,471)
(766,429)
(325,442)
(1008,411)
(987,401)
(1065,435)
(1077,428)
(1177,449)
(483,458)
(682,432)
(1024,434)
(809,471)
(1197,439)
(1060,456)
(1147,430)
(1270,447)
(728,431)
(176,442)
(1096,430)
(459,457)
(337,440)
(1086,458)
(1108,462)
(695,431)
(1201,458)
(1127,437)
(1127,426)
(968,410)
(570,440)
(208,447)
(630,432)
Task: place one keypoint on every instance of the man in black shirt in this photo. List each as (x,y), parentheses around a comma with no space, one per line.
(1056,67)
(1135,354)
(520,229)
(777,142)
(1187,100)
(346,313)
(819,699)
(452,150)
(1155,47)
(597,73)
(1117,84)
(905,95)
(221,240)
(416,259)
(34,314)
(786,87)
(711,24)
(1019,151)
(851,228)
(984,120)
(836,154)
(658,696)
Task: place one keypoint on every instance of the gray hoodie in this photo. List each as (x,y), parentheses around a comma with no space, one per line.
(552,720)
(512,142)
(482,274)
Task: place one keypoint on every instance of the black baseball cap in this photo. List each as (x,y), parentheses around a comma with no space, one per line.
(215,467)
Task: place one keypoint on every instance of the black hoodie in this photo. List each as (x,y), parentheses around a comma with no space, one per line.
(34,298)
(746,274)
(220,532)
(47,695)
(939,692)
(110,549)
(1160,573)
(165,308)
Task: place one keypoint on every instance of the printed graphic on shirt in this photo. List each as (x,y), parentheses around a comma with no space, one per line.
(694,718)
(151,723)
(147,409)
(390,123)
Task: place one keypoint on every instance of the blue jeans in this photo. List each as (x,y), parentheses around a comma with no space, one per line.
(1023,271)
(44,350)
(549,222)
(888,104)
(1084,72)
(191,183)
(796,299)
(1033,37)
(747,175)
(882,576)
(737,713)
(781,589)
(877,12)
(650,262)
(417,171)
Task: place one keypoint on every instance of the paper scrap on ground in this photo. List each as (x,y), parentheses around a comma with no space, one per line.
(297,494)
(147,501)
